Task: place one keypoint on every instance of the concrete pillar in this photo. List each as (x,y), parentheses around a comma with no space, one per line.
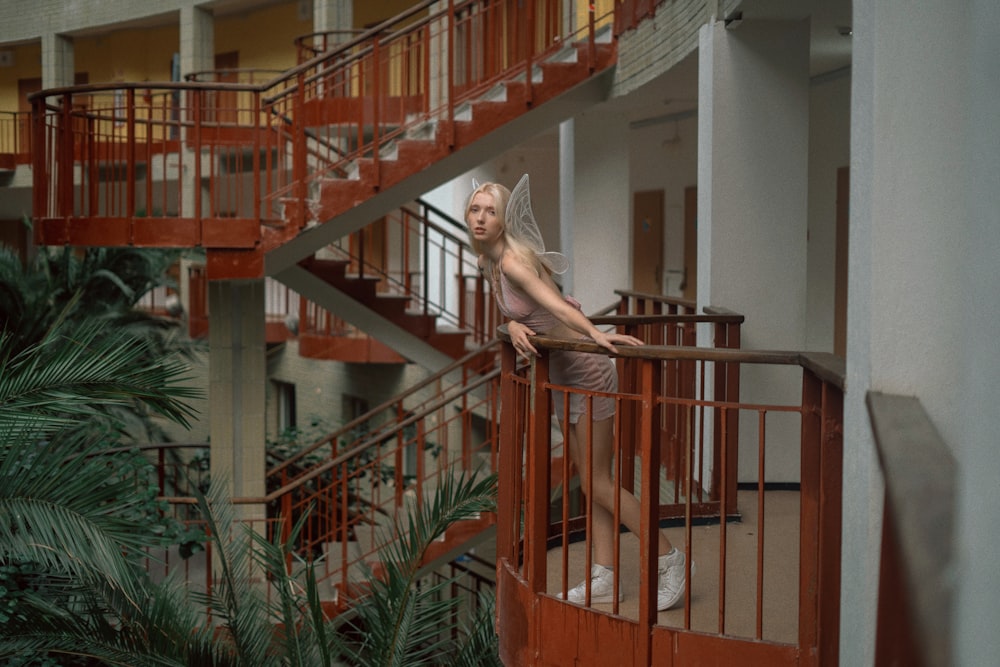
(922,315)
(599,236)
(237,387)
(753,110)
(197,54)
(567,196)
(57,61)
(439,63)
(197,47)
(333,15)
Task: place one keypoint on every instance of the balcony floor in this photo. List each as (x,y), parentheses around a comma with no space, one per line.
(781,567)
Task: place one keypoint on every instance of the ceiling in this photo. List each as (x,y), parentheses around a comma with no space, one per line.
(675,93)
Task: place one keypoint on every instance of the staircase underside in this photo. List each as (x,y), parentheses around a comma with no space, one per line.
(434,165)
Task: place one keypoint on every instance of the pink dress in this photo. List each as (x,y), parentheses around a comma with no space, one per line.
(581,370)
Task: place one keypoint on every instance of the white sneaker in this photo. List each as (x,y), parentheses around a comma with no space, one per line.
(671,585)
(602,587)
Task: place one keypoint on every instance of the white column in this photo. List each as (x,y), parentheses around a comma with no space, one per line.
(978,607)
(440,44)
(924,242)
(753,131)
(197,54)
(197,40)
(862,486)
(237,387)
(57,61)
(599,234)
(567,197)
(333,15)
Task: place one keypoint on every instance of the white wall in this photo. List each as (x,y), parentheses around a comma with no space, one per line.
(975,427)
(601,260)
(752,211)
(925,238)
(829,149)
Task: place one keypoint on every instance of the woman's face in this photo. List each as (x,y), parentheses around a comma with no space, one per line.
(483,219)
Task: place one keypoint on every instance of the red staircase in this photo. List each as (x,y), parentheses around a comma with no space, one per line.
(265,175)
(393,307)
(335,142)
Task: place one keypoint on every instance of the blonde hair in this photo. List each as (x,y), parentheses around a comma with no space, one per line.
(501,197)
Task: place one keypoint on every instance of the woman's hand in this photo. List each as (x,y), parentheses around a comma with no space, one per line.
(608,340)
(519,338)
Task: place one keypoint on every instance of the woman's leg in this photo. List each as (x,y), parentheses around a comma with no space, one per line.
(605,486)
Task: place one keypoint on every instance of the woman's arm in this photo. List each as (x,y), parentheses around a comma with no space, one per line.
(519,338)
(546,295)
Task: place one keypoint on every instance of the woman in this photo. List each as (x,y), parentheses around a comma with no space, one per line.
(512,255)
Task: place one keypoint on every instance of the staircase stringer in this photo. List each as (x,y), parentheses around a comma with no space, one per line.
(462,159)
(406,344)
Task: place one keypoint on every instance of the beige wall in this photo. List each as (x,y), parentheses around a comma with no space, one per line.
(264,39)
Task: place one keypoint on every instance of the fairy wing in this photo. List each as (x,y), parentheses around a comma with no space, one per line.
(520,222)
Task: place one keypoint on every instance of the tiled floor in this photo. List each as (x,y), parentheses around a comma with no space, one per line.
(781,558)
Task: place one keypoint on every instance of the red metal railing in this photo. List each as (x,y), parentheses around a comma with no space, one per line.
(422,254)
(242,166)
(733,607)
(317,43)
(374,466)
(679,378)
(418,252)
(15,138)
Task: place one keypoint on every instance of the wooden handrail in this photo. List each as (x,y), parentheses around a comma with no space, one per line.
(528,530)
(916,592)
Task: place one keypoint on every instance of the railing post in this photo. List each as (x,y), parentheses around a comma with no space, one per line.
(536,510)
(287,520)
(300,163)
(649,503)
(450,73)
(67,154)
(376,95)
(509,469)
(195,151)
(591,39)
(426,287)
(820,519)
(130,162)
(257,149)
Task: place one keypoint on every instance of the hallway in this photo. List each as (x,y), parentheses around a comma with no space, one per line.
(780,586)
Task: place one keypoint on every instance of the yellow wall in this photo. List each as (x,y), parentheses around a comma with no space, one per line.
(601,8)
(369,13)
(264,39)
(127,55)
(27,65)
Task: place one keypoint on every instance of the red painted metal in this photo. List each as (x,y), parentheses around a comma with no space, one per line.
(261,147)
(15,139)
(639,639)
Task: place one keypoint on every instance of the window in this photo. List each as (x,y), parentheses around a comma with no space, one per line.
(285,396)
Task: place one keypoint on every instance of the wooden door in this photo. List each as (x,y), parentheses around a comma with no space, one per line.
(226,102)
(840,263)
(689,286)
(647,242)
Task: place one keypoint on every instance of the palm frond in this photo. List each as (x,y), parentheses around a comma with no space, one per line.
(403,619)
(479,648)
(167,631)
(61,378)
(236,601)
